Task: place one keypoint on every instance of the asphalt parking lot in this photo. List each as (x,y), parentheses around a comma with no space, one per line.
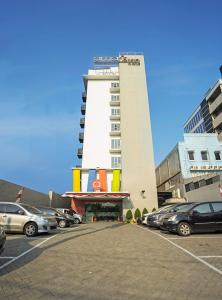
(111,261)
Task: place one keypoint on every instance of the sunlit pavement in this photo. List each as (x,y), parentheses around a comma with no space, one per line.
(111,261)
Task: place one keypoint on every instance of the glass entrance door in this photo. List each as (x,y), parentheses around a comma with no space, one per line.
(104,211)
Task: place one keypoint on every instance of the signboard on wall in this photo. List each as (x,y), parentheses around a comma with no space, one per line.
(129,61)
(206,168)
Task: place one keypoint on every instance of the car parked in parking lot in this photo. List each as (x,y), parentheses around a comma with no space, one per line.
(2,238)
(20,217)
(154,219)
(196,217)
(61,218)
(145,216)
(72,215)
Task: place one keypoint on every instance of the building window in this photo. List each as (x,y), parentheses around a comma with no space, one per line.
(115,127)
(187,187)
(202,182)
(116,162)
(204,155)
(196,185)
(216,178)
(114,97)
(217,155)
(209,181)
(115,144)
(191,155)
(115,84)
(115,111)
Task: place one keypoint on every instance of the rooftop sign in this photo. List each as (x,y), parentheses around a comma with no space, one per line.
(115,60)
(106,60)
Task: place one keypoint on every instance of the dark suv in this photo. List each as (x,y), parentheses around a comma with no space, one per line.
(196,217)
(61,218)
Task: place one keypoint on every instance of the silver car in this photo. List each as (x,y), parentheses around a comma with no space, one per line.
(71,215)
(20,217)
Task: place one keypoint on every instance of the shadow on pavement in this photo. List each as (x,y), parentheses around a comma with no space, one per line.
(33,254)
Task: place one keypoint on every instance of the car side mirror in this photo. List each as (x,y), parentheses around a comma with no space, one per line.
(21,212)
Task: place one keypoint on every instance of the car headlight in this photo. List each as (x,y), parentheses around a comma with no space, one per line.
(173,218)
(43,220)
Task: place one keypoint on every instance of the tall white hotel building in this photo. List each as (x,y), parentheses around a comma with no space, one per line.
(117,170)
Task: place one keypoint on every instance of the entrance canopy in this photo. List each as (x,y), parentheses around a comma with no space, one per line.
(97,196)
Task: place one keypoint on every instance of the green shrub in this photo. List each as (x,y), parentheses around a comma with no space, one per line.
(137,214)
(145,211)
(154,209)
(129,215)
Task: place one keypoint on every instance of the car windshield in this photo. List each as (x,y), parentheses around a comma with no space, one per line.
(186,207)
(51,211)
(165,208)
(31,209)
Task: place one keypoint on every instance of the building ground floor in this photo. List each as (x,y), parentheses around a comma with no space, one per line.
(99,206)
(205,187)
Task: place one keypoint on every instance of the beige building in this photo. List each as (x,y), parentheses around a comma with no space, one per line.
(116,171)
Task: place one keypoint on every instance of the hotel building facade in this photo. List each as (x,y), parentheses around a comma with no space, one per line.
(117,169)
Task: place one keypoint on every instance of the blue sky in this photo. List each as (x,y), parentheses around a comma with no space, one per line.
(46,46)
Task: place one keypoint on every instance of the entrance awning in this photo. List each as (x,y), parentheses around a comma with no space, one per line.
(97,196)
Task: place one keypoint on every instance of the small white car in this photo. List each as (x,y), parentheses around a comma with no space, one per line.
(71,214)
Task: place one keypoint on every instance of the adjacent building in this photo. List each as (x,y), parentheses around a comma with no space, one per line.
(192,165)
(207,117)
(117,170)
(214,100)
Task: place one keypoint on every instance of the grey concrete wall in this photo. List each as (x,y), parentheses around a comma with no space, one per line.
(206,193)
(169,167)
(8,191)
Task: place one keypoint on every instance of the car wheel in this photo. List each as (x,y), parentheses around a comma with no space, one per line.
(183,229)
(31,229)
(76,221)
(62,224)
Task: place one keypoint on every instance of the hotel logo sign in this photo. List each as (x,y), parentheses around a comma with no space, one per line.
(129,61)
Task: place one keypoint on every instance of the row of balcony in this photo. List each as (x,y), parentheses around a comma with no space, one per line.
(112,118)
(215,105)
(82,125)
(84,97)
(113,151)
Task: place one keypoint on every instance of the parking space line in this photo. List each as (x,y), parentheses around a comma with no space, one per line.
(186,251)
(7,257)
(34,247)
(211,256)
(26,252)
(195,237)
